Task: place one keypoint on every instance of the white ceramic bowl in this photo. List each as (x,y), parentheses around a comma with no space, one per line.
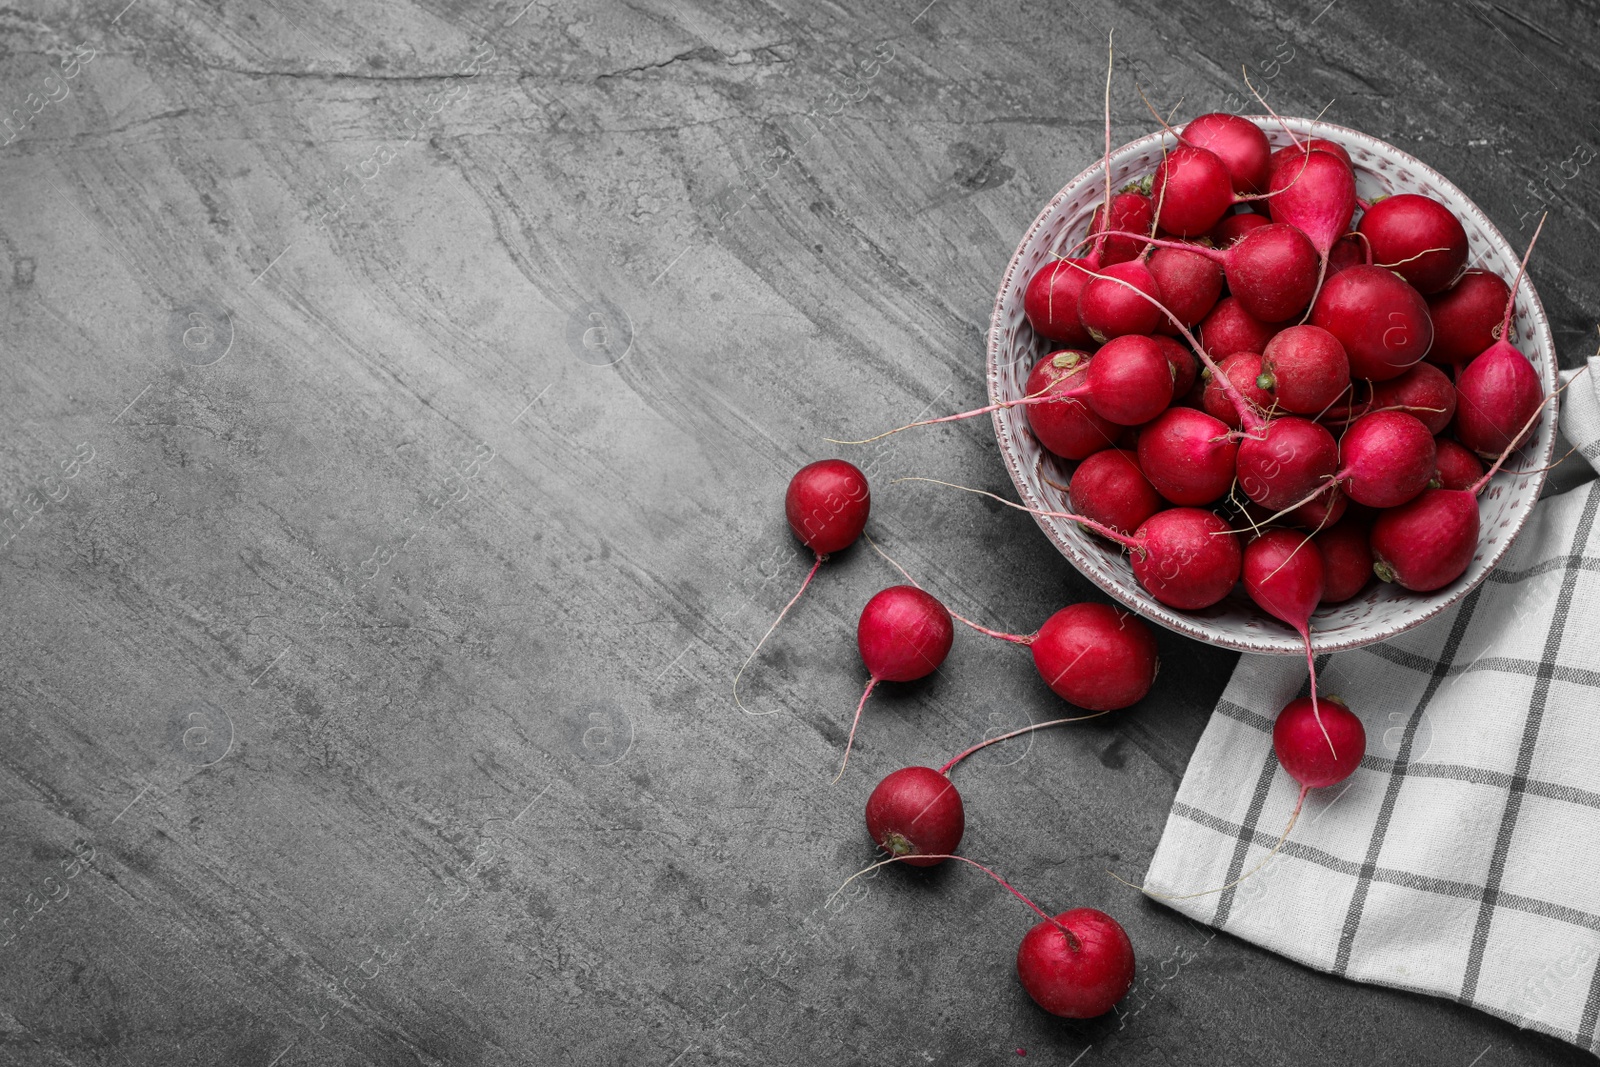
(1382,610)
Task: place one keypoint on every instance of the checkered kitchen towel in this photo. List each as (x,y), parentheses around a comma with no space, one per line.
(1463,858)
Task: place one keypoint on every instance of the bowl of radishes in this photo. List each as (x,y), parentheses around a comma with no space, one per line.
(1267,404)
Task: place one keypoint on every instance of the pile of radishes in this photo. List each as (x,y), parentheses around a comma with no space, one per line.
(1262,380)
(1351,375)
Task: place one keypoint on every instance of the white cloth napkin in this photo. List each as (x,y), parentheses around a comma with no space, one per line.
(1462,859)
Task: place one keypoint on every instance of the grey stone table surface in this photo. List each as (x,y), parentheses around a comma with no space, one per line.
(396,400)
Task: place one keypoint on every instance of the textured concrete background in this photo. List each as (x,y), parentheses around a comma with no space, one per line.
(396,401)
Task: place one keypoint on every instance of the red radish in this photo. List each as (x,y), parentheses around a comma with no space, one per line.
(1496,394)
(1424,391)
(1068,426)
(1321,511)
(1312,144)
(1465,316)
(1315,192)
(1051,300)
(1192,190)
(1110,488)
(1318,745)
(1300,742)
(1128,382)
(916,816)
(1272,270)
(1381,321)
(826,504)
(1096,657)
(1243,369)
(1346,560)
(1418,238)
(1230,328)
(1458,466)
(1385,459)
(1233,227)
(1499,391)
(1190,284)
(1184,369)
(1305,369)
(1238,142)
(1290,461)
(1130,210)
(1185,557)
(1190,456)
(1283,573)
(1427,543)
(903,634)
(1108,309)
(1077,965)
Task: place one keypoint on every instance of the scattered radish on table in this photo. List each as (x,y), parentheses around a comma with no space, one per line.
(903,634)
(1076,965)
(916,815)
(827,505)
(1317,746)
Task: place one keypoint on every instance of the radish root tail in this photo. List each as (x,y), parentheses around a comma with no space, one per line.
(1020,639)
(1298,805)
(1072,940)
(1016,733)
(1099,528)
(871,685)
(810,575)
(1035,398)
